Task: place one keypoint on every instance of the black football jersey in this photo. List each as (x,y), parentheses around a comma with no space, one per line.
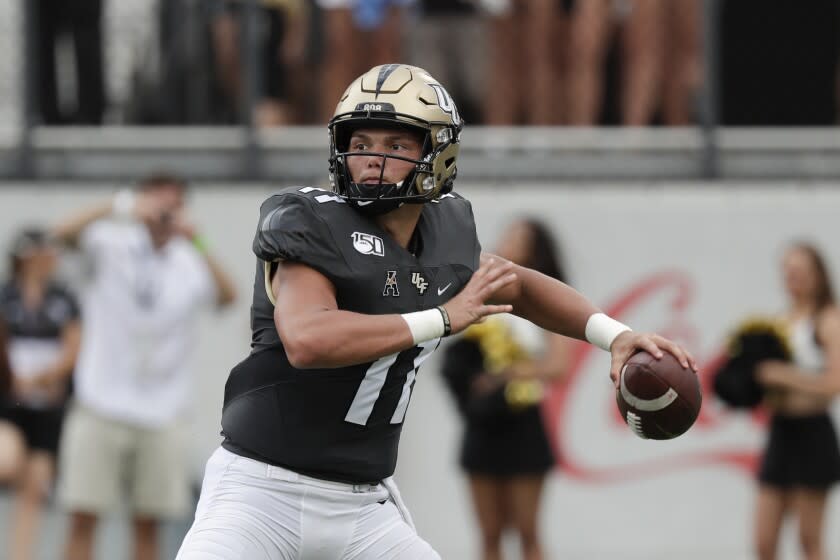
(342,423)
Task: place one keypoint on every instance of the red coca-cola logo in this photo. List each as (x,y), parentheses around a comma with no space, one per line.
(589,437)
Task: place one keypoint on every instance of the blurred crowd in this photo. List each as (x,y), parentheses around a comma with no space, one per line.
(507,62)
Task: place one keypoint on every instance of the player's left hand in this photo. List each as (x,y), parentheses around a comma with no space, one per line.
(629,342)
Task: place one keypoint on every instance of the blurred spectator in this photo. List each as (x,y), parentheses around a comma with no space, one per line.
(779,62)
(282,36)
(801,459)
(496,373)
(5,368)
(81,20)
(449,40)
(151,274)
(10,439)
(43,342)
(642,35)
(358,35)
(683,62)
(169,68)
(526,41)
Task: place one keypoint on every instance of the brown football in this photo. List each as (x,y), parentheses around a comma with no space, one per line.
(659,399)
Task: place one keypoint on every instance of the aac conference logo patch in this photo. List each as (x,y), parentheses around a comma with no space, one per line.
(391,288)
(368,244)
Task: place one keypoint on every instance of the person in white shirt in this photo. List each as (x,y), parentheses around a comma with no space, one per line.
(151,274)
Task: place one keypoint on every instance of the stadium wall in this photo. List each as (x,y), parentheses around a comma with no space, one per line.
(689,260)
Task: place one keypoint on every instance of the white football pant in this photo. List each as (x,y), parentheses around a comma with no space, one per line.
(250,510)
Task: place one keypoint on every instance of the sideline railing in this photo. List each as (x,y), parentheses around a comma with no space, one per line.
(492,154)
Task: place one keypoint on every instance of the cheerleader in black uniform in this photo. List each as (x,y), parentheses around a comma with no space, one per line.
(497,372)
(801,459)
(42,340)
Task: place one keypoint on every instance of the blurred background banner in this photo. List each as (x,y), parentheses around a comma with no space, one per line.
(687,259)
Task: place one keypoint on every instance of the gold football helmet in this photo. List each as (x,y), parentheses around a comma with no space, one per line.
(400,96)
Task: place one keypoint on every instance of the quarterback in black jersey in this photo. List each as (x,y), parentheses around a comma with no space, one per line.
(355,287)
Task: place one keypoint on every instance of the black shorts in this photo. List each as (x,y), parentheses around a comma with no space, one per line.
(801,451)
(516,445)
(41,427)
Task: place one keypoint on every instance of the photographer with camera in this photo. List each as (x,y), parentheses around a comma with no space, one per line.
(151,274)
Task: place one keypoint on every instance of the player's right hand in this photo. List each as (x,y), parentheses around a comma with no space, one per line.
(469,305)
(629,342)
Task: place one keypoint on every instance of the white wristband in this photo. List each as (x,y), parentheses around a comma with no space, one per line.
(425,325)
(123,205)
(601,330)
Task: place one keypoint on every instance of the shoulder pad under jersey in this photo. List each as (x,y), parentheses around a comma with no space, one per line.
(292,228)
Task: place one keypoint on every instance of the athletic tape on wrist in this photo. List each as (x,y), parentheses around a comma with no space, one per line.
(601,330)
(425,325)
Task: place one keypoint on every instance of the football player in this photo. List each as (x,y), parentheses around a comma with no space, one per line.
(355,287)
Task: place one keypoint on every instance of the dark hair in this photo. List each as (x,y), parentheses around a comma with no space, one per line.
(160,179)
(5,368)
(544,254)
(25,240)
(825,294)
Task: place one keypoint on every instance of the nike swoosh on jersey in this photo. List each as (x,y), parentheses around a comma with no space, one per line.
(441,290)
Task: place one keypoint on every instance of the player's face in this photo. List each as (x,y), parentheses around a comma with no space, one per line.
(799,274)
(515,244)
(369,168)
